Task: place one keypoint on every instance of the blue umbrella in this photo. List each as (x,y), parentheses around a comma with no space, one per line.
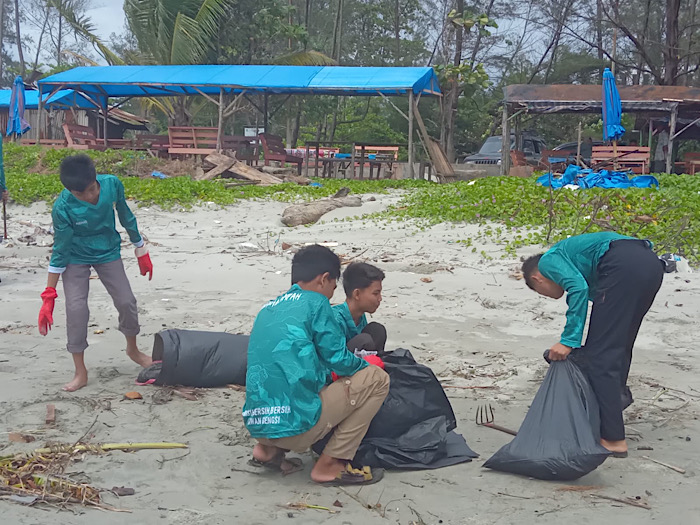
(15,121)
(612,108)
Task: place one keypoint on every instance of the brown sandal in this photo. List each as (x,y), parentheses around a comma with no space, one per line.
(353,476)
(275,464)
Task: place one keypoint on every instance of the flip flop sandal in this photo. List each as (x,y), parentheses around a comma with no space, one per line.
(619,454)
(353,476)
(275,464)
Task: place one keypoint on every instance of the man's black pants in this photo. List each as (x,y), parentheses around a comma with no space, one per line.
(629,276)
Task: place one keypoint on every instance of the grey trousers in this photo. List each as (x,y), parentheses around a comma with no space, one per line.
(76,285)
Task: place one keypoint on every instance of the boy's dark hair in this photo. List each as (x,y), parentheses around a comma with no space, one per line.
(77,172)
(360,275)
(530,266)
(312,261)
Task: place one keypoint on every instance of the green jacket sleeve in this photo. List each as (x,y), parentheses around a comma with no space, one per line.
(62,241)
(564,273)
(331,345)
(126,217)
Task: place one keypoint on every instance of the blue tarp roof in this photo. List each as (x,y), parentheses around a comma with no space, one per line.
(139,81)
(63,99)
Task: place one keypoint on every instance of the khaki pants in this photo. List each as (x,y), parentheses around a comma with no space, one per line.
(348,405)
(76,285)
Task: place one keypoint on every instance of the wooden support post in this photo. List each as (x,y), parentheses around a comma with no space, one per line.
(40,118)
(671,132)
(505,144)
(105,101)
(651,132)
(265,114)
(578,146)
(352,161)
(220,128)
(411,110)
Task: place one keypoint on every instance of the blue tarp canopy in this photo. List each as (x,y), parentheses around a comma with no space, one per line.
(63,99)
(147,81)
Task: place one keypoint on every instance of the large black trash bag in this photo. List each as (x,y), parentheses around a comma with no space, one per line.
(414,426)
(415,395)
(199,359)
(559,438)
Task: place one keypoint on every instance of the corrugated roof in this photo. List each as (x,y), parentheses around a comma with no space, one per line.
(139,81)
(554,98)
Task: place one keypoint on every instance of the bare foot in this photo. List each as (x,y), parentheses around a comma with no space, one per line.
(327,468)
(79,381)
(139,357)
(265,453)
(614,446)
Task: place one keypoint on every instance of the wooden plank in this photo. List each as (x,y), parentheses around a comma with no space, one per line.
(50,414)
(443,168)
(191,151)
(221,164)
(247,172)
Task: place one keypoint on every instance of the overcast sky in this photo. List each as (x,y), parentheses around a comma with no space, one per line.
(108,17)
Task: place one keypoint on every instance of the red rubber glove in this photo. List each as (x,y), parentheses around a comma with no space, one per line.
(46,313)
(144,260)
(371,359)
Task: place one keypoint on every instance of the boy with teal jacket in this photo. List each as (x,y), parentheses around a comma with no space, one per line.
(620,276)
(85,236)
(362,283)
(294,347)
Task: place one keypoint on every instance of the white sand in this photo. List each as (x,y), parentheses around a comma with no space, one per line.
(473,324)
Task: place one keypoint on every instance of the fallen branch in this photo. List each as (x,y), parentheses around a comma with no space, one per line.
(677,469)
(626,501)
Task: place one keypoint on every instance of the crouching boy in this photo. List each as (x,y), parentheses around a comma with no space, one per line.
(362,283)
(621,276)
(290,403)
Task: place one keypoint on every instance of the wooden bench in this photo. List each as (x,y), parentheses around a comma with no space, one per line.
(273,149)
(46,143)
(189,140)
(691,161)
(635,158)
(81,137)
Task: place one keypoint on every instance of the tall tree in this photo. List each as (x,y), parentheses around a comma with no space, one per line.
(18,37)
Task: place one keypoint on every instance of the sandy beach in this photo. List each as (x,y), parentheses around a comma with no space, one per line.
(468,318)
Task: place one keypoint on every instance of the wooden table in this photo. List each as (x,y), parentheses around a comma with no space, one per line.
(373,163)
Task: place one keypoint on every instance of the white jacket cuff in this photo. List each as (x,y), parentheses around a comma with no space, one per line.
(54,269)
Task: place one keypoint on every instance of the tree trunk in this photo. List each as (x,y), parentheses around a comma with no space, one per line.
(59,39)
(307,12)
(690,41)
(599,28)
(397,31)
(671,55)
(41,36)
(453,96)
(297,124)
(19,39)
(2,32)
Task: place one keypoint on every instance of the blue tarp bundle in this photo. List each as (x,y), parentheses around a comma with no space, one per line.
(587,178)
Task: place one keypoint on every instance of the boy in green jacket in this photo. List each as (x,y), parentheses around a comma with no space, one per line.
(362,283)
(85,236)
(621,276)
(291,403)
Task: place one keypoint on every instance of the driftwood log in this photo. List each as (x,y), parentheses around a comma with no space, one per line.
(310,212)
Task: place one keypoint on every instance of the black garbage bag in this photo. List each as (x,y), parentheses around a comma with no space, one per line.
(560,436)
(197,359)
(415,395)
(414,428)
